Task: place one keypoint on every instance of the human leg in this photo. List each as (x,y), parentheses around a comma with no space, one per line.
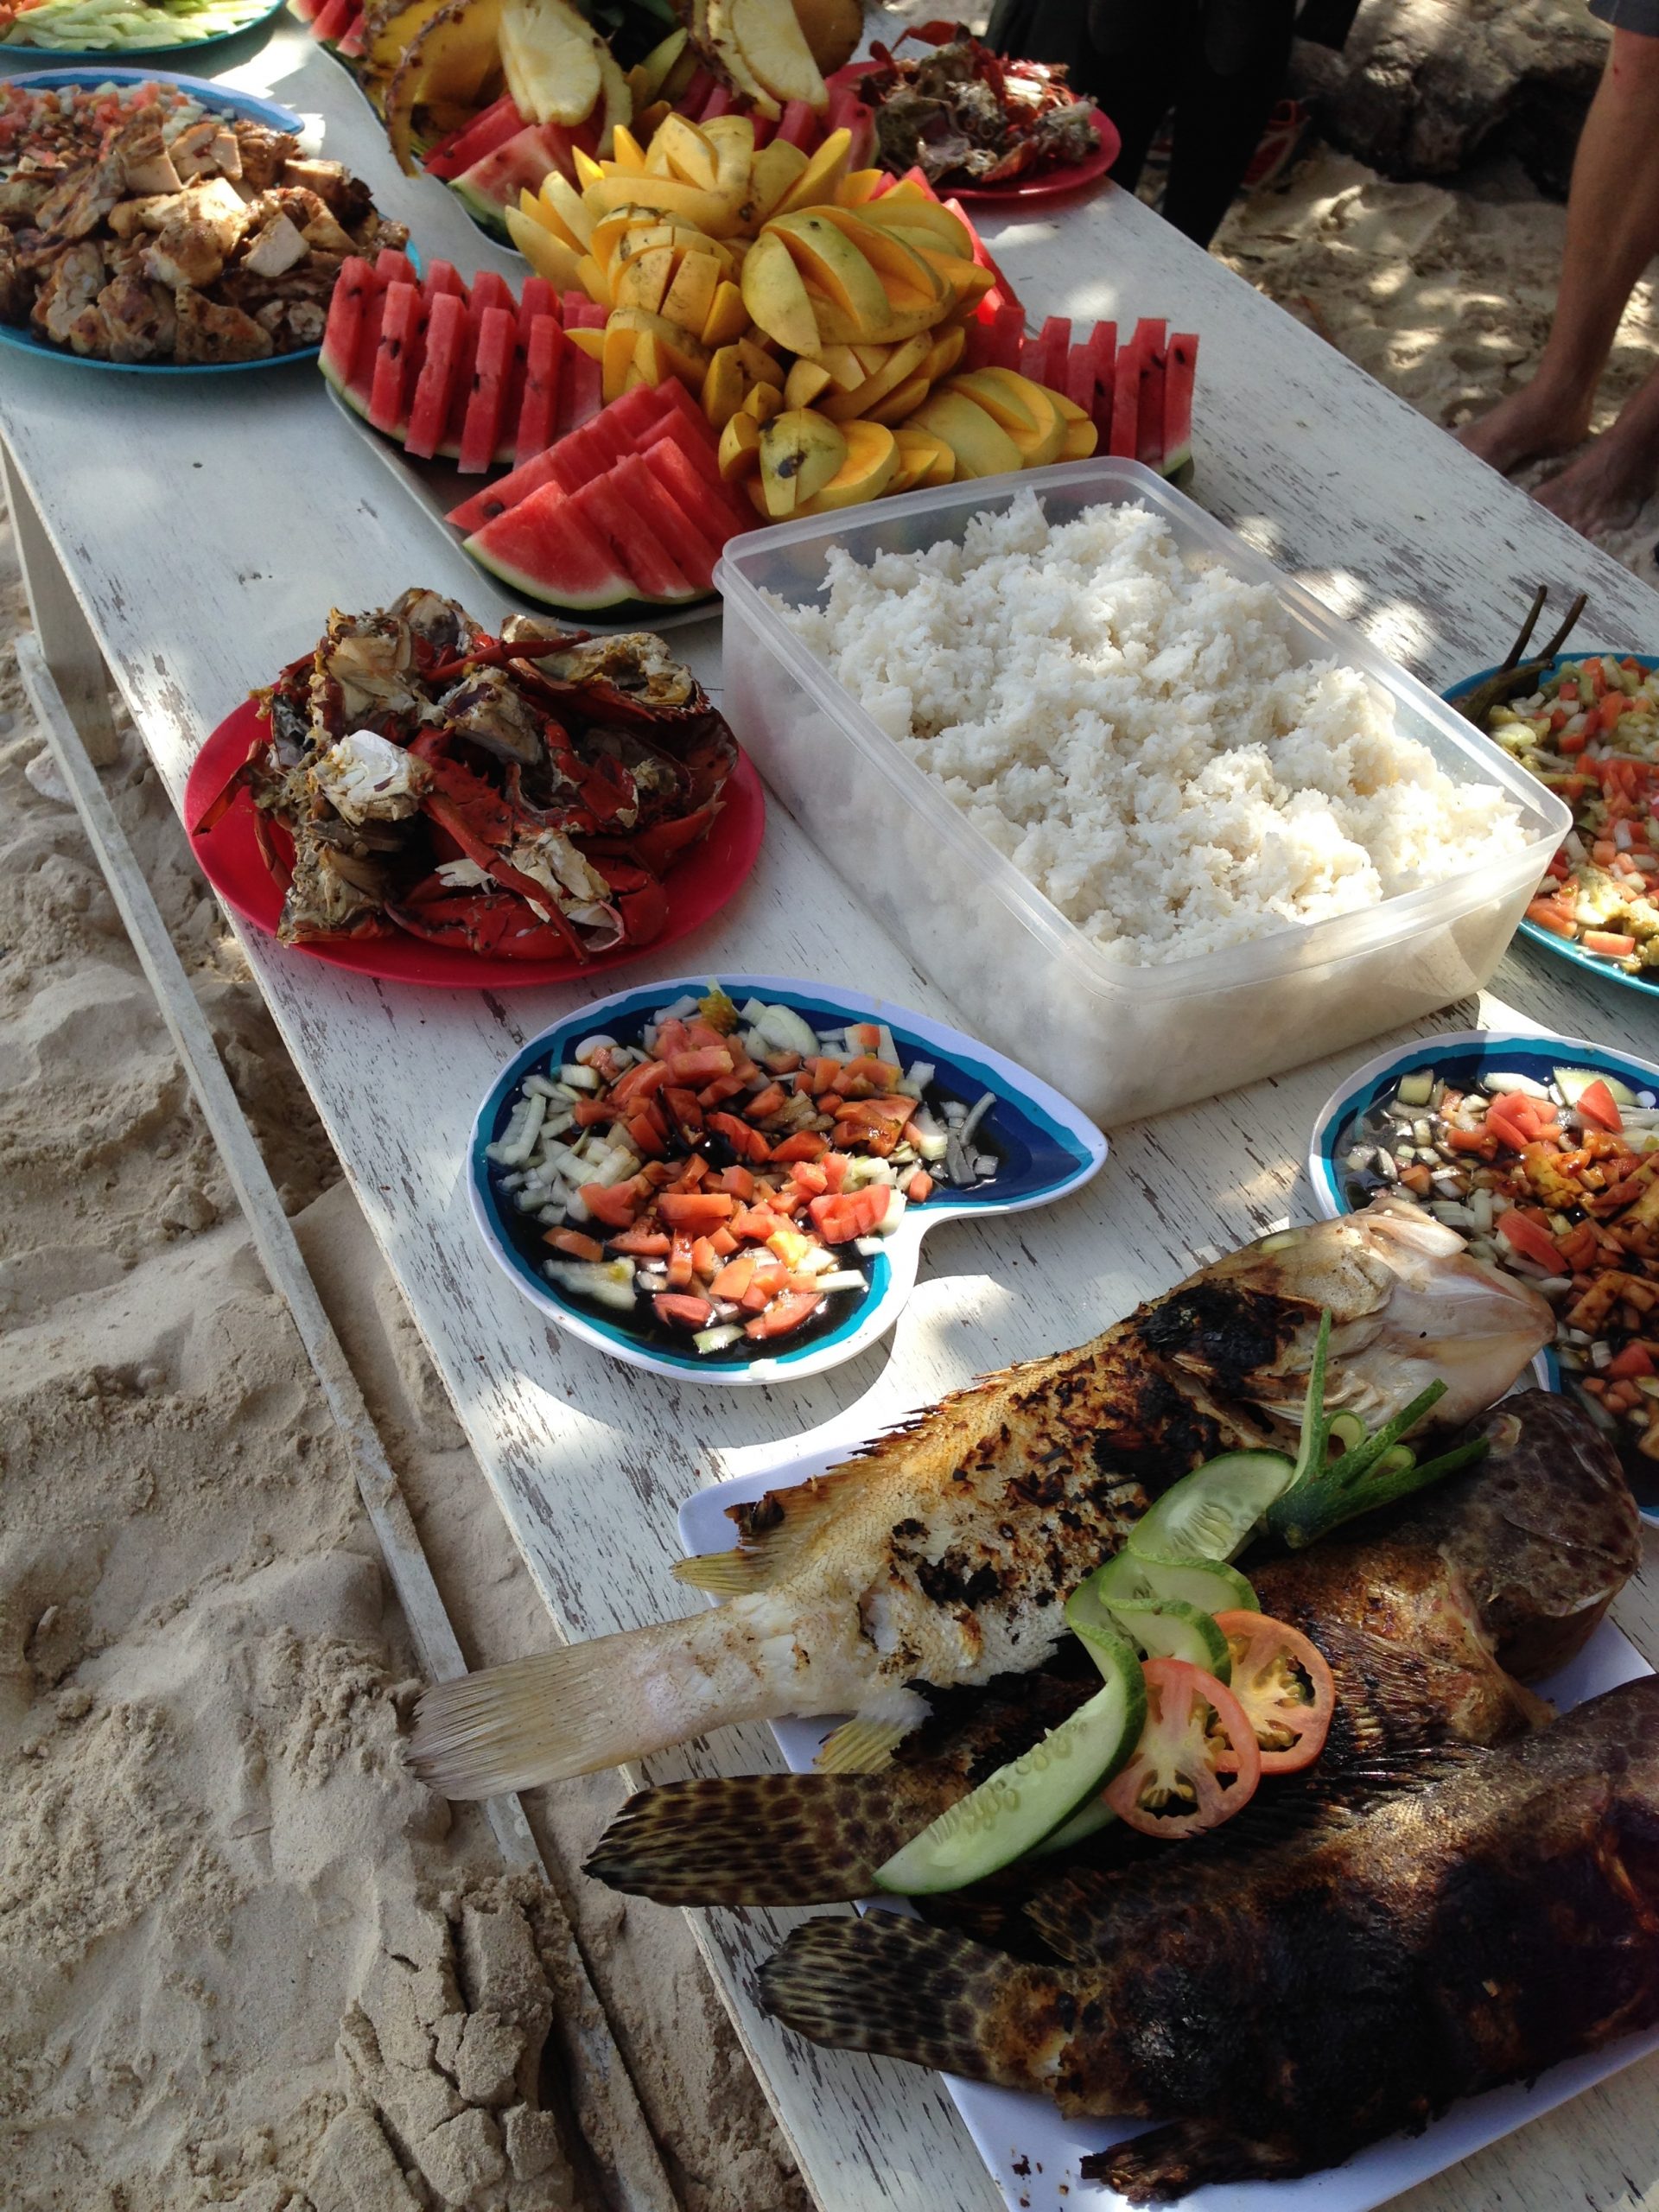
(1613,232)
(1232,75)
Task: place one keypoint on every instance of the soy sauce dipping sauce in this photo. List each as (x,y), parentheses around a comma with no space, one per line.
(949,1100)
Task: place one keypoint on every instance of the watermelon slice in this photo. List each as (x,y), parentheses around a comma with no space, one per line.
(429,410)
(442,276)
(549,552)
(1181,363)
(580,455)
(400,329)
(687,543)
(518,164)
(720,101)
(693,479)
(582,388)
(491,373)
(1126,400)
(453,155)
(355,288)
(1151,337)
(489,291)
(655,574)
(1052,346)
(1007,337)
(1079,385)
(333,19)
(538,405)
(1034,360)
(798,126)
(393,267)
(693,101)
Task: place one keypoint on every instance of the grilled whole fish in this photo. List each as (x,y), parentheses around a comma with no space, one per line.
(941,1555)
(1281,2014)
(1510,1566)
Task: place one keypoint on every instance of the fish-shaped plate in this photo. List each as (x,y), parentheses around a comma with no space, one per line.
(1033,2153)
(1560,948)
(1045,1148)
(217,98)
(1465,1053)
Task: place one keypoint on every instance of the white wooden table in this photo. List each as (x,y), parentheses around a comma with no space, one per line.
(198,532)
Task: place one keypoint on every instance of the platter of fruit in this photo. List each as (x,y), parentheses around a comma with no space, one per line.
(418,800)
(128,30)
(718,337)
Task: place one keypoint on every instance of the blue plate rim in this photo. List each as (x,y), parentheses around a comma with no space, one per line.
(250,105)
(60,57)
(1359,1089)
(893,1272)
(1562,948)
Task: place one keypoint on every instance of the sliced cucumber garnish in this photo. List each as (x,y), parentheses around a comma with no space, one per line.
(1205,1582)
(1168,1628)
(1093,1815)
(1213,1512)
(1573,1083)
(1017,1806)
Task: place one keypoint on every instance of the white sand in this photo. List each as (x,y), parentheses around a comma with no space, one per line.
(245,1959)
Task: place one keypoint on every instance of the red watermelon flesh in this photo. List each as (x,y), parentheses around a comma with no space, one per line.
(1150,339)
(1126,401)
(400,330)
(551,552)
(538,406)
(683,539)
(518,164)
(355,287)
(676,399)
(393,267)
(798,126)
(766,129)
(645,404)
(491,373)
(655,574)
(428,411)
(443,276)
(582,392)
(489,291)
(498,122)
(509,491)
(1181,363)
(537,298)
(1053,344)
(332,18)
(1007,337)
(1102,346)
(1079,385)
(1032,361)
(720,101)
(692,474)
(692,100)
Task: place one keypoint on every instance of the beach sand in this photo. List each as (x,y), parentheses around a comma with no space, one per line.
(246,1960)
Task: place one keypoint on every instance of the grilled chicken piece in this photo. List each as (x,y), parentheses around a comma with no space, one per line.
(207,148)
(264,152)
(146,164)
(199,237)
(313,218)
(1281,2013)
(16,285)
(21,199)
(208,332)
(346,197)
(1524,1553)
(76,280)
(79,203)
(276,248)
(140,321)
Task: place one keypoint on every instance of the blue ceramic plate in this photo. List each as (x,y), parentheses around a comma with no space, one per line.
(1464,1054)
(221,100)
(1045,1147)
(61,58)
(1559,948)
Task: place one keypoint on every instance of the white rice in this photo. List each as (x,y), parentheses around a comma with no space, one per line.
(1134,731)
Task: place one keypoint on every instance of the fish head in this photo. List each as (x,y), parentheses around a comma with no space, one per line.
(1407,1307)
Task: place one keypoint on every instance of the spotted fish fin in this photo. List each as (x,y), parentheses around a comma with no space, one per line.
(777,1531)
(909,1990)
(860,1746)
(766,1838)
(1166,2163)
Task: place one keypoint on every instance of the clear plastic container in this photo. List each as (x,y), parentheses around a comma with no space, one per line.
(1122,1041)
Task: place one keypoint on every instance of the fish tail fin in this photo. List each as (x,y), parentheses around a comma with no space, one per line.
(928,1994)
(589,1706)
(754,1838)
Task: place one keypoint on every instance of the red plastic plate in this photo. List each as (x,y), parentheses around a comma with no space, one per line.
(698,886)
(1043,186)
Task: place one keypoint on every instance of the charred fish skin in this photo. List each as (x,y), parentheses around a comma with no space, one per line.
(1399,1608)
(941,1556)
(1347,1984)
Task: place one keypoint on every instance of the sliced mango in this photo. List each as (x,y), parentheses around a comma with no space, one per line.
(758,365)
(774,170)
(686,356)
(615,360)
(776,297)
(724,386)
(680,148)
(740,448)
(691,293)
(897,365)
(981,447)
(728,317)
(872,463)
(949,233)
(800,451)
(901,402)
(804,382)
(561,199)
(831,263)
(547,256)
(761,402)
(641,281)
(818,181)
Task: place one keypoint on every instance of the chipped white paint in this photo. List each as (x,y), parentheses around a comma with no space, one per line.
(205,528)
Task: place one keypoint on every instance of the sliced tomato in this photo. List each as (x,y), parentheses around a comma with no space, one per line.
(1196,1763)
(1532,1243)
(1284,1686)
(1599,1106)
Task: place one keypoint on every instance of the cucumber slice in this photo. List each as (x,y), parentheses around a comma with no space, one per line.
(1573,1083)
(1203,1582)
(1213,1512)
(1090,1816)
(1168,1628)
(1020,1804)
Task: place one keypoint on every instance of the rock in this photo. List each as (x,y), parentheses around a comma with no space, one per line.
(1423,86)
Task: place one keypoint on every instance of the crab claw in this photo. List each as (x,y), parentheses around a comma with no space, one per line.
(490,922)
(640,901)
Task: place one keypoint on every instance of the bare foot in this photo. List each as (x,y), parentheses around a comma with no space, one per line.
(1531,424)
(1607,487)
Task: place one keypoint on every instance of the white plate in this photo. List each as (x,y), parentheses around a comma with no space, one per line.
(1034,2152)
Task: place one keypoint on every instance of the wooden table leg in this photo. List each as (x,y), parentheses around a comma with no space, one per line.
(70,649)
